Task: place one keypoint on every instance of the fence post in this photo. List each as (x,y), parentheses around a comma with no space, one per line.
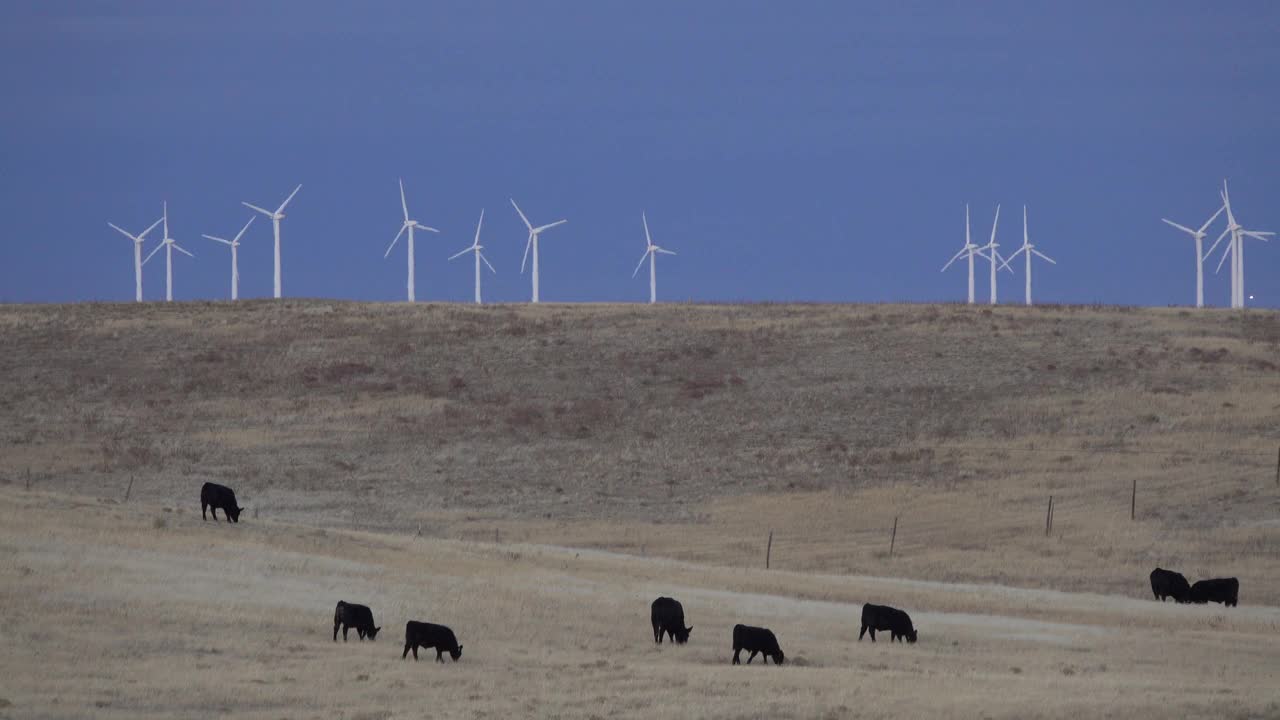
(1278,467)
(1048,518)
(128,489)
(893,535)
(768,551)
(1133,501)
(28,477)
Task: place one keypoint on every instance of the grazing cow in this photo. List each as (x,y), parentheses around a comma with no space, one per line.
(351,615)
(757,640)
(214,496)
(1219,590)
(1170,584)
(883,617)
(430,635)
(667,615)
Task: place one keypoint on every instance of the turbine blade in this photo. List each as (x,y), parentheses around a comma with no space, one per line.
(1006,261)
(1214,246)
(995,223)
(478,225)
(549,226)
(153,252)
(218,239)
(527,245)
(1225,254)
(178,247)
(664,251)
(522,217)
(404,205)
(286,200)
(393,242)
(1042,256)
(462,252)
(642,259)
(647,240)
(420,226)
(1183,228)
(268,213)
(1257,235)
(954,258)
(149,229)
(1209,222)
(246,227)
(124,232)
(486,262)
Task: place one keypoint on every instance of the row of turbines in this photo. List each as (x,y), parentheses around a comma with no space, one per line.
(989,252)
(1234,250)
(408,226)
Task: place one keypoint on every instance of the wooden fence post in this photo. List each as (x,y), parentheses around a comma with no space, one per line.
(1278,468)
(1048,518)
(28,477)
(128,489)
(768,551)
(1133,501)
(893,535)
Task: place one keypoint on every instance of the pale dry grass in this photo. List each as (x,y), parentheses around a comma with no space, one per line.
(131,611)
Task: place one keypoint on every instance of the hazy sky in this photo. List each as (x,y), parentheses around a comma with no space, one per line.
(787,151)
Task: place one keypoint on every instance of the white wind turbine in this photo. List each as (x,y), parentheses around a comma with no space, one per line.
(651,252)
(276,217)
(1235,248)
(1028,250)
(476,247)
(169,245)
(534,232)
(234,243)
(969,249)
(994,255)
(137,254)
(409,225)
(1198,236)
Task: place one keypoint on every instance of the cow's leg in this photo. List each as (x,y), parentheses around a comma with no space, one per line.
(213,510)
(873,634)
(862,632)
(657,633)
(345,628)
(335,630)
(440,655)
(203,507)
(415,652)
(752,656)
(404,654)
(736,659)
(360,632)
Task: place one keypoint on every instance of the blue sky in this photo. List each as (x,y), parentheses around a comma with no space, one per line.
(817,151)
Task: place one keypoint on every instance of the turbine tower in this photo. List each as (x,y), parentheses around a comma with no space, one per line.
(1198,236)
(651,252)
(169,245)
(276,217)
(476,247)
(1028,250)
(137,255)
(969,249)
(408,225)
(235,266)
(1235,248)
(994,255)
(534,232)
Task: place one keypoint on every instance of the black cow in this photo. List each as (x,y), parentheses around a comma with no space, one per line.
(1219,590)
(351,615)
(883,617)
(430,635)
(1170,584)
(757,640)
(667,615)
(214,496)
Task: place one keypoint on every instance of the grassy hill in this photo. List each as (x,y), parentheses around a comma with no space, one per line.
(684,431)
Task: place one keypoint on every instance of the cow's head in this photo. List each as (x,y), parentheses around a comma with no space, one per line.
(911,635)
(779,657)
(456,653)
(234,513)
(372,633)
(682,635)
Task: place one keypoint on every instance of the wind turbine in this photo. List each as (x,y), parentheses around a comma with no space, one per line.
(137,254)
(408,225)
(994,255)
(534,232)
(1235,248)
(651,252)
(235,267)
(1028,250)
(276,217)
(476,247)
(969,249)
(1198,236)
(169,245)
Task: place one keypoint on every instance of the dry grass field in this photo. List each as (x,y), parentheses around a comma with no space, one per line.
(439,462)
